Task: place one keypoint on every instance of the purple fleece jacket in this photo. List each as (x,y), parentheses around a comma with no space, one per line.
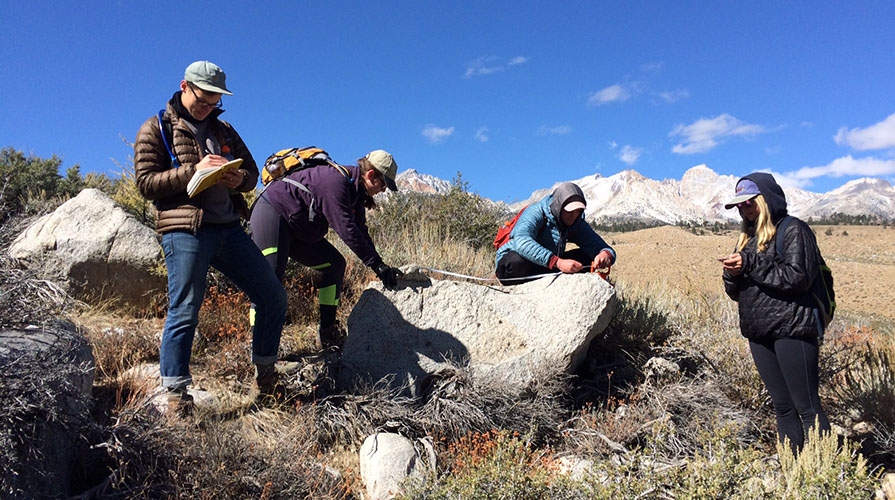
(338,203)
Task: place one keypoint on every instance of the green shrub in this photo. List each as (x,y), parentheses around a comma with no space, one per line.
(825,468)
(726,468)
(459,216)
(128,196)
(20,174)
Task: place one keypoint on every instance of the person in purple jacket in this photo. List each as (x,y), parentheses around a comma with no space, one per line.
(293,215)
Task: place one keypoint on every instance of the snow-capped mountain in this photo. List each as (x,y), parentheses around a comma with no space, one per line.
(699,196)
(861,196)
(701,193)
(412,180)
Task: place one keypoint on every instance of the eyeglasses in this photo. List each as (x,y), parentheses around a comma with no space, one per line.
(203,101)
(747,203)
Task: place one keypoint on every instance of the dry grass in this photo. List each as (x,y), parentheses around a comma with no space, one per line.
(678,311)
(674,259)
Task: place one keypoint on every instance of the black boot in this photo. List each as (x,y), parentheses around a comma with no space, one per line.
(270,386)
(327,333)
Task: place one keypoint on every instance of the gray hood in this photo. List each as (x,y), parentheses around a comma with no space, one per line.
(564,193)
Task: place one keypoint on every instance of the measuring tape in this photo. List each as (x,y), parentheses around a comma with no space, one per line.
(601,272)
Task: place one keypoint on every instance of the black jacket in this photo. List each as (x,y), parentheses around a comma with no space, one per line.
(773,290)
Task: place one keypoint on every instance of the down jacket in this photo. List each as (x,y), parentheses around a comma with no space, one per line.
(166,186)
(540,235)
(773,291)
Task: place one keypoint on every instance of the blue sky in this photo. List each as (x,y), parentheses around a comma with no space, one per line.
(513,95)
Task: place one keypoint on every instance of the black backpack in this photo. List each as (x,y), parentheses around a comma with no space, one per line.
(822,288)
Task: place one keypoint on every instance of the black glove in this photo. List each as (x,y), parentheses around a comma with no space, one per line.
(388,275)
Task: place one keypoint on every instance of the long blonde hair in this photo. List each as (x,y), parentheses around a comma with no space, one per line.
(763,227)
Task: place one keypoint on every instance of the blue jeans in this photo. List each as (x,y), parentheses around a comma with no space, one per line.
(231,251)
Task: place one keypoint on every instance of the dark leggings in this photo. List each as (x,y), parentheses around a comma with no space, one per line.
(788,368)
(514,268)
(271,233)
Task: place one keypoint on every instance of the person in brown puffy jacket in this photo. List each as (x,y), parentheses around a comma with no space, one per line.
(204,230)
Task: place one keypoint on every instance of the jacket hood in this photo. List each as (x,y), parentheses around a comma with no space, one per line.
(564,193)
(772,192)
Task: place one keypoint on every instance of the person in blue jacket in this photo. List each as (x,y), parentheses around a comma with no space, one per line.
(537,243)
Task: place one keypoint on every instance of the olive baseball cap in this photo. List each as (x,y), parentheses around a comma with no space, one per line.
(208,76)
(384,163)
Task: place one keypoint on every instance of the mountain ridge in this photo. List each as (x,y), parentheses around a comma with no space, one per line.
(699,196)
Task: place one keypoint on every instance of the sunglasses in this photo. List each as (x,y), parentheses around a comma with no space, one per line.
(747,203)
(203,101)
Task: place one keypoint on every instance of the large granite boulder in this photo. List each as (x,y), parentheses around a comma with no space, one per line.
(94,250)
(514,334)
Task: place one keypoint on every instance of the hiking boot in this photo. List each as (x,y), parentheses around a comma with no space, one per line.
(180,403)
(270,385)
(328,333)
(329,339)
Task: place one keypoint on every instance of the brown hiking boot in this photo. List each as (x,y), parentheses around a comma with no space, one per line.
(180,403)
(270,385)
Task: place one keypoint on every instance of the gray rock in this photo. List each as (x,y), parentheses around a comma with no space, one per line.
(515,334)
(389,461)
(46,382)
(659,370)
(94,250)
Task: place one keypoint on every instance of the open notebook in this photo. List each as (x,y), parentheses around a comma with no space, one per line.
(206,177)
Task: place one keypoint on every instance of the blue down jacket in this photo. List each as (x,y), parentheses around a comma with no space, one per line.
(539,234)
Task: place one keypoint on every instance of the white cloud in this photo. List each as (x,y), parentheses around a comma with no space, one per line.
(629,154)
(481,134)
(841,167)
(877,136)
(672,96)
(436,134)
(557,130)
(487,65)
(613,144)
(613,93)
(706,133)
(652,67)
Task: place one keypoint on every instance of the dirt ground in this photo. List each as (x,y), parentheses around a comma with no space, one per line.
(862,259)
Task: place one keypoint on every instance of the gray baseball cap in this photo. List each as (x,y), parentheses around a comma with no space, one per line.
(208,76)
